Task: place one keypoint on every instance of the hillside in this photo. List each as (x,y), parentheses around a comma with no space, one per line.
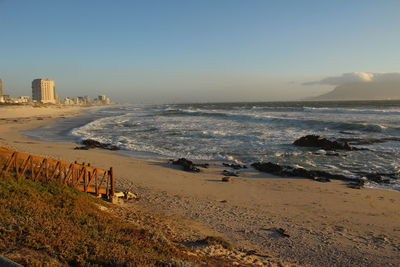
(374,90)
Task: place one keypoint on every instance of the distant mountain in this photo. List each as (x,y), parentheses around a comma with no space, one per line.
(373,90)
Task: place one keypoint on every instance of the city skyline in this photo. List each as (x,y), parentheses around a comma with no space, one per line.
(179,51)
(43,92)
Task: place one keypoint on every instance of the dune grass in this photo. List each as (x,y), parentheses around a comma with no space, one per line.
(49,224)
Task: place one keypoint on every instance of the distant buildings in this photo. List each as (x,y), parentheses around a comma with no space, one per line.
(3,98)
(102,99)
(23,99)
(43,91)
(86,100)
(68,101)
(1,87)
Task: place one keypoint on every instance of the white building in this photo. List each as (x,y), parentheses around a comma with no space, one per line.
(1,87)
(43,91)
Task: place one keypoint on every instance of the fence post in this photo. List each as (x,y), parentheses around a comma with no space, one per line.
(16,165)
(112,182)
(85,180)
(9,162)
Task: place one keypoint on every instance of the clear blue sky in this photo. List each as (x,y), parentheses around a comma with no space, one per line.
(165,50)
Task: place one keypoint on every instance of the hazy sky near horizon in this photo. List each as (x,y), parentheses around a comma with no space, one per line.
(187,50)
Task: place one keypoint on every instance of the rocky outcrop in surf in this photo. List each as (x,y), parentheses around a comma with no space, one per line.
(279,170)
(324,143)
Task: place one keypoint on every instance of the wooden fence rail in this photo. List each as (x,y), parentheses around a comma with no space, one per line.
(79,176)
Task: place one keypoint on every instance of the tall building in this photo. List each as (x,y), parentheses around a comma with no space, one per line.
(43,91)
(1,87)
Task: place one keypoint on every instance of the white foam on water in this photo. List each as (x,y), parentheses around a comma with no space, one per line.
(250,133)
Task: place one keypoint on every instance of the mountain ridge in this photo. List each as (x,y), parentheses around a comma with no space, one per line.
(372,90)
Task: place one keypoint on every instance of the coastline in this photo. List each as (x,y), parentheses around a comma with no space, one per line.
(328,223)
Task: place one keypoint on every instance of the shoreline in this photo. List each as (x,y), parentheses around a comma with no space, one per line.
(61,131)
(328,223)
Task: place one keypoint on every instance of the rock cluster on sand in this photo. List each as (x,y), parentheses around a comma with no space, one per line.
(279,170)
(187,165)
(90,143)
(322,176)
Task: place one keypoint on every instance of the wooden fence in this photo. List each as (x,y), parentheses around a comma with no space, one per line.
(79,176)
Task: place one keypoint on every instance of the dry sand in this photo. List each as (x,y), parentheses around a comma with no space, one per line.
(329,224)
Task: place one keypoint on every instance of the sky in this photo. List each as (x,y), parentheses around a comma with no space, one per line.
(195,51)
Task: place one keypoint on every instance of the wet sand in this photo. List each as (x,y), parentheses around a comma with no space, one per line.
(329,224)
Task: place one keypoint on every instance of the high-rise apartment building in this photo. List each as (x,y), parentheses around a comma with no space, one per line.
(1,87)
(43,91)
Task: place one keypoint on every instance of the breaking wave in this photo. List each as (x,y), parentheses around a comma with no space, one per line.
(252,132)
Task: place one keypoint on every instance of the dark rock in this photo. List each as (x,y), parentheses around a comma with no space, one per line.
(357,184)
(202,165)
(374,177)
(380,177)
(331,153)
(81,148)
(228,173)
(90,143)
(318,141)
(267,167)
(186,164)
(234,166)
(332,175)
(300,172)
(323,176)
(322,179)
(276,169)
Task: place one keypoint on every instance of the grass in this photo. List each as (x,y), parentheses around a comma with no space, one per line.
(48,224)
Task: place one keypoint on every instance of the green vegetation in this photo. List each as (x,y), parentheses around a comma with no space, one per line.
(48,224)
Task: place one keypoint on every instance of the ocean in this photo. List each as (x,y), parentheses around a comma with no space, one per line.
(248,132)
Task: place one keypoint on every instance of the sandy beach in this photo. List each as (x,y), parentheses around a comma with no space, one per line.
(329,224)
